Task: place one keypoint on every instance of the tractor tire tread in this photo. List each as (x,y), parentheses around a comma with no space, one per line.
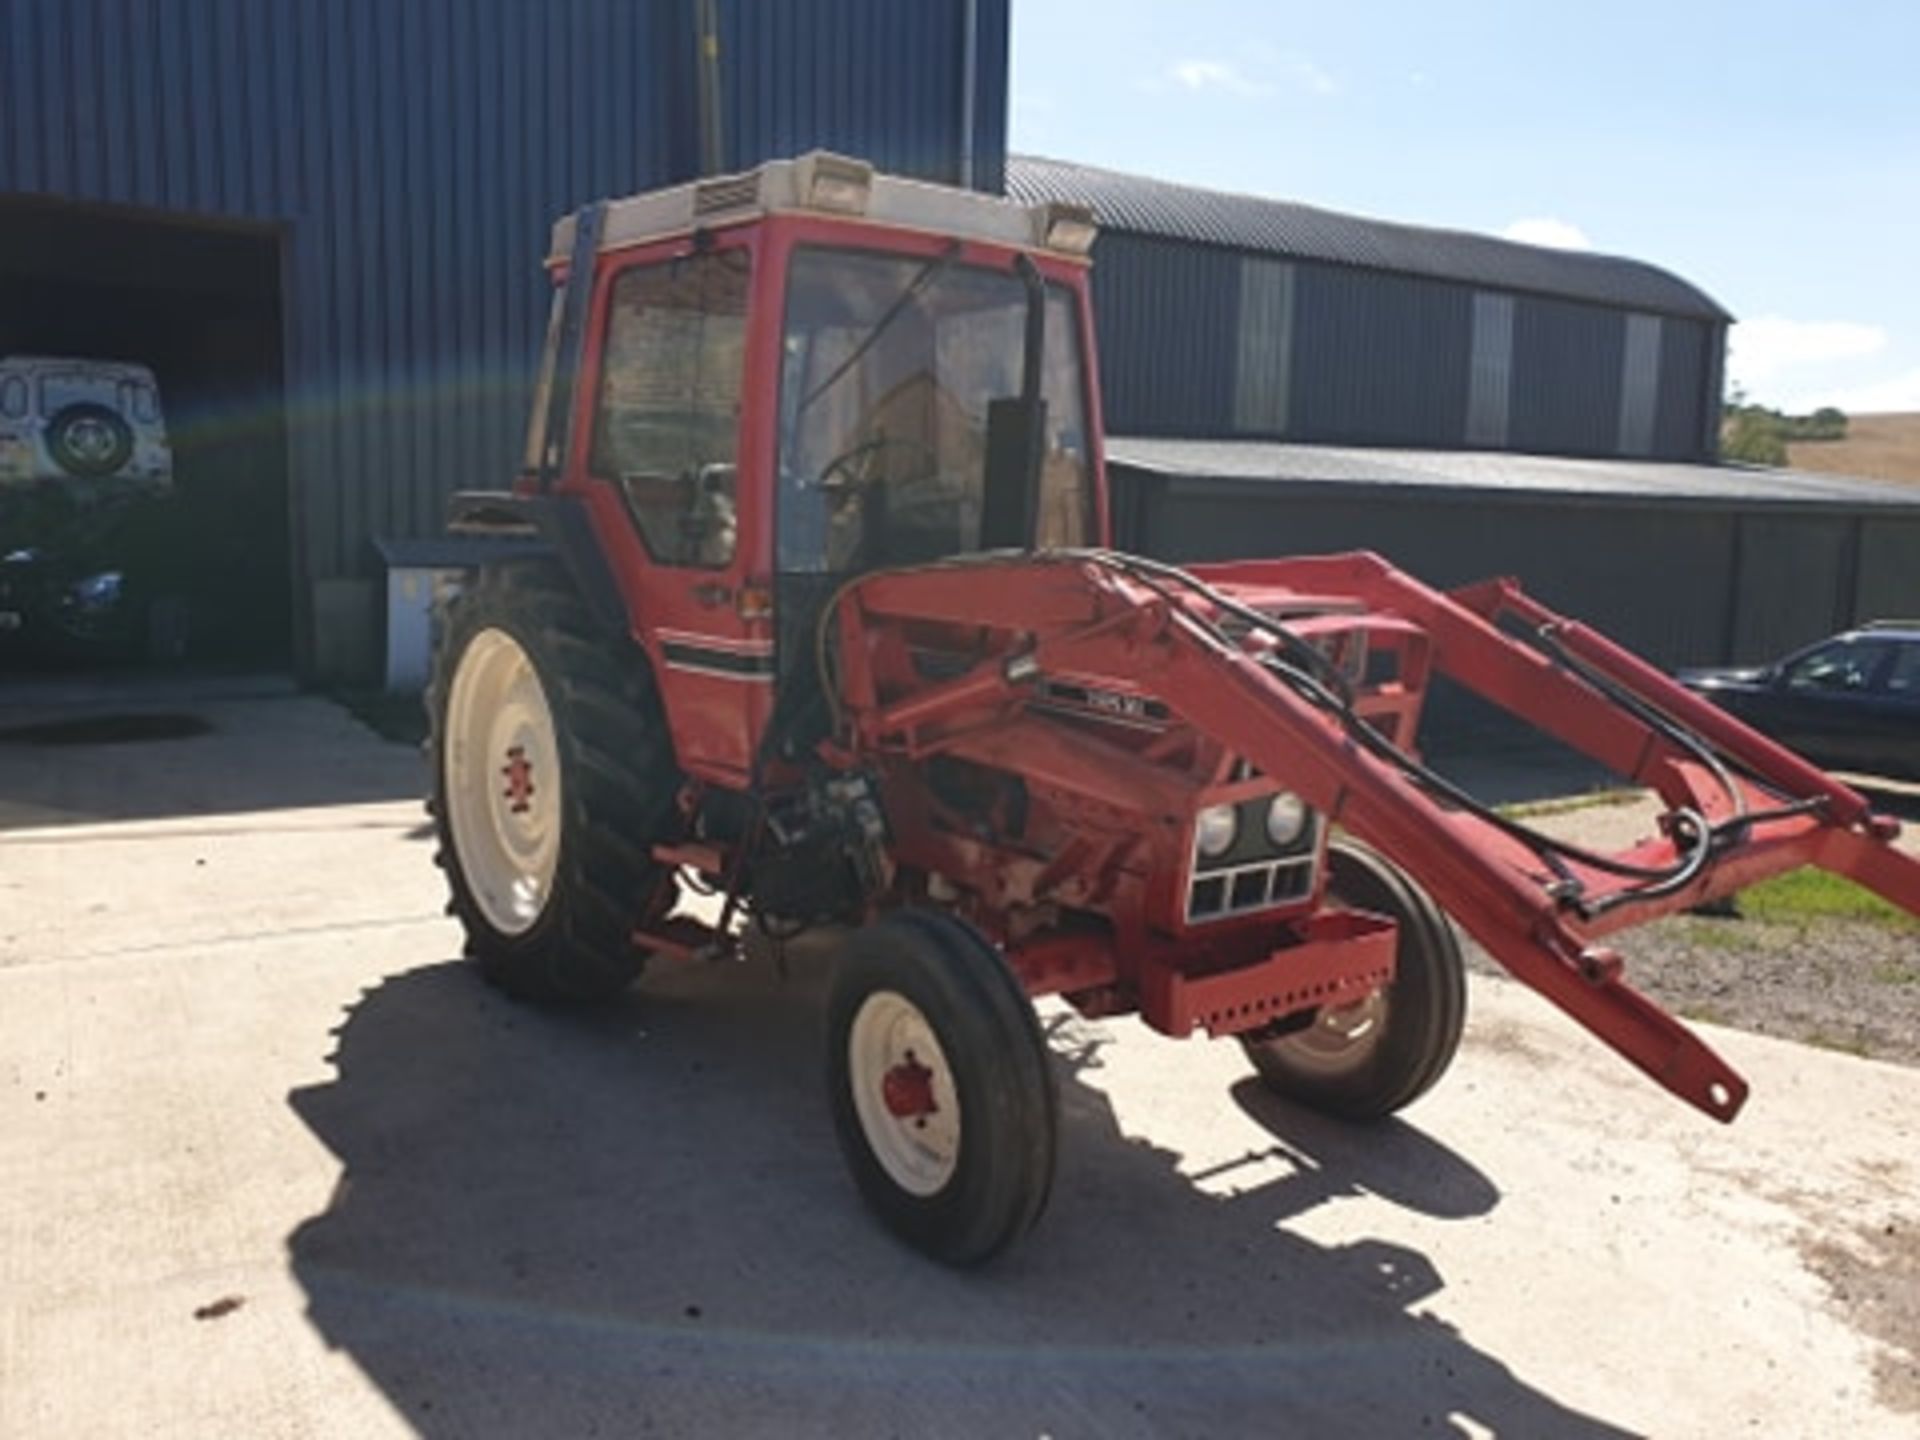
(619,782)
(987,1025)
(1425,1024)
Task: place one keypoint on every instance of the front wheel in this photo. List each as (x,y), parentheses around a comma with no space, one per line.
(1365,1060)
(942,1096)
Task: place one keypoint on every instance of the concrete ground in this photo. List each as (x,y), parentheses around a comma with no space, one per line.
(277,1165)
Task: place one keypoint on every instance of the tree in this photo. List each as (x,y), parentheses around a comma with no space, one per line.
(1751,433)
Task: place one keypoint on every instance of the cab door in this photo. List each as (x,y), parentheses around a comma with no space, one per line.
(670,438)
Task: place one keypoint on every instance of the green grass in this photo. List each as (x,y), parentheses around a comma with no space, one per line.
(1811,896)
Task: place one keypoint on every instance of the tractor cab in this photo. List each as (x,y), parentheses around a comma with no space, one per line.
(763,385)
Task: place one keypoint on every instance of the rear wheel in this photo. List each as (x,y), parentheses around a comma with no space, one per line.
(1366,1060)
(942,1096)
(553,775)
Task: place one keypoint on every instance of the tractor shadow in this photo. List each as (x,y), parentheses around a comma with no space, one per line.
(638,1223)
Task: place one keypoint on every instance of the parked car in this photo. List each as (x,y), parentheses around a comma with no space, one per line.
(85,469)
(1851,702)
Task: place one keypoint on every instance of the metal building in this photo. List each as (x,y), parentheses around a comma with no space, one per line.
(322,222)
(1280,379)
(1687,564)
(1225,315)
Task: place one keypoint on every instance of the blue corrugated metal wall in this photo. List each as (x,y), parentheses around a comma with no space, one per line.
(1566,376)
(1686,350)
(1168,314)
(865,79)
(415,155)
(1379,359)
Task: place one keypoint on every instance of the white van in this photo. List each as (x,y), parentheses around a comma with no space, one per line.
(84,422)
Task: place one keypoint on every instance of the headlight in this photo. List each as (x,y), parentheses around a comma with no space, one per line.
(1286,819)
(98,592)
(1215,830)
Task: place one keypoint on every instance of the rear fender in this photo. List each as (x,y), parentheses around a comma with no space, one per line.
(557,524)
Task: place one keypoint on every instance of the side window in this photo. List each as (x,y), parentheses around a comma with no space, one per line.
(1845,665)
(1903,676)
(667,421)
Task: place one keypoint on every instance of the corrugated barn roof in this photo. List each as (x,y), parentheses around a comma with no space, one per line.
(1281,227)
(1481,474)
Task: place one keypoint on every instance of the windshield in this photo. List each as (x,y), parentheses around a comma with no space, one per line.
(889,364)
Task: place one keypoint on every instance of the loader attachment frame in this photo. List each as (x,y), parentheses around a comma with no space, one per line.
(1221,646)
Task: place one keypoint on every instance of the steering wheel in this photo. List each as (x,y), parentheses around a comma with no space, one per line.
(854,465)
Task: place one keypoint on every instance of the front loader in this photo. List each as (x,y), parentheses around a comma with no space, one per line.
(823,627)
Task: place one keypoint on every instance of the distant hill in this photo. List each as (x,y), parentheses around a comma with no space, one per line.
(1883,447)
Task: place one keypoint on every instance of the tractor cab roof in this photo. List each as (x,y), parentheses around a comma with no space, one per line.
(821,183)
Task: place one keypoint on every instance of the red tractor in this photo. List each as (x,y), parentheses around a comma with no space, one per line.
(822,624)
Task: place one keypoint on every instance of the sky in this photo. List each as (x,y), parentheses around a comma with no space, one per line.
(1769,153)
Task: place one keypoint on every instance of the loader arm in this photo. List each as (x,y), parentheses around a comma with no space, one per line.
(1738,808)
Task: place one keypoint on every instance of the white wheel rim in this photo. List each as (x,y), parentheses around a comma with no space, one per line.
(890,1040)
(1340,1041)
(502,781)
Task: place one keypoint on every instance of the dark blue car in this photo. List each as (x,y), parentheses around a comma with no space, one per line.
(1848,703)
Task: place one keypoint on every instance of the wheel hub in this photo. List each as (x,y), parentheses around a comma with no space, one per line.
(1342,1038)
(89,440)
(519,776)
(908,1090)
(903,1092)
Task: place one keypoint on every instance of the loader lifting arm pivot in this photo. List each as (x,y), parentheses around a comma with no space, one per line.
(1239,653)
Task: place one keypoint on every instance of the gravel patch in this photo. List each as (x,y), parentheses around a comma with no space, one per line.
(1845,985)
(1849,985)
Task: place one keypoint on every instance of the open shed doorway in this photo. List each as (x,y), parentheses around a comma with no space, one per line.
(194,577)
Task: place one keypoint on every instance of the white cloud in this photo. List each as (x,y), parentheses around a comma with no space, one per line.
(1310,77)
(1217,75)
(1297,71)
(1897,394)
(1761,350)
(1545,230)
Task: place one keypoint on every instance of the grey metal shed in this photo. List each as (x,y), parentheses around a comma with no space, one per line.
(1228,315)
